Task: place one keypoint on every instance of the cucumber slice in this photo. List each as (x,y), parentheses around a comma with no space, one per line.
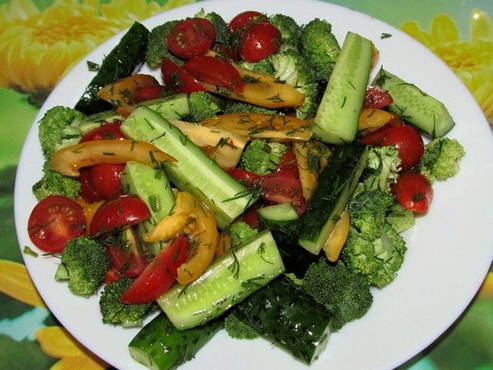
(336,184)
(152,186)
(336,121)
(159,345)
(227,281)
(415,106)
(278,217)
(193,170)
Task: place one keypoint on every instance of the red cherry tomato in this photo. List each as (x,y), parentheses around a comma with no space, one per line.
(377,98)
(405,138)
(108,131)
(148,93)
(115,213)
(111,276)
(277,189)
(101,181)
(54,221)
(214,71)
(245,19)
(130,264)
(159,275)
(251,217)
(176,79)
(413,191)
(246,177)
(87,188)
(258,41)
(191,37)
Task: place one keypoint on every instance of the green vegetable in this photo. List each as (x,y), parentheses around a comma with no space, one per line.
(239,329)
(287,26)
(345,294)
(383,168)
(117,313)
(160,346)
(204,105)
(83,263)
(222,30)
(157,48)
(58,128)
(441,159)
(400,218)
(54,183)
(262,66)
(281,218)
(262,157)
(241,233)
(319,47)
(240,107)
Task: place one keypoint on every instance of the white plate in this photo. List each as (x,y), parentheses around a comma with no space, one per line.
(449,251)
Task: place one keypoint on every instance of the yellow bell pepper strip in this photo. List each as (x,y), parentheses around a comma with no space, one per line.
(260,125)
(372,119)
(337,238)
(88,210)
(124,91)
(223,244)
(70,159)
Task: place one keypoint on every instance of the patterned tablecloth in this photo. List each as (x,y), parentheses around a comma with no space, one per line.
(41,39)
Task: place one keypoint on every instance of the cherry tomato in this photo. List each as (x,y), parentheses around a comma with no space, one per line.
(112,275)
(87,189)
(377,98)
(191,37)
(251,217)
(405,138)
(246,177)
(246,18)
(176,79)
(129,264)
(159,275)
(258,41)
(101,181)
(413,191)
(115,213)
(278,190)
(148,93)
(108,131)
(54,221)
(215,71)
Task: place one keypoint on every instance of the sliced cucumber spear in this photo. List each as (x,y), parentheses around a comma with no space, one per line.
(415,106)
(337,117)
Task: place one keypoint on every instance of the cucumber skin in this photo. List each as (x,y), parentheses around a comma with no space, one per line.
(415,106)
(283,314)
(347,162)
(120,62)
(336,121)
(144,124)
(159,345)
(289,225)
(188,306)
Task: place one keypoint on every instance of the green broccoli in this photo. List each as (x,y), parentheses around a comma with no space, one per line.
(262,157)
(222,30)
(58,128)
(319,47)
(157,47)
(287,26)
(383,168)
(117,313)
(240,233)
(83,263)
(238,329)
(240,107)
(400,218)
(342,292)
(54,183)
(204,105)
(441,158)
(263,66)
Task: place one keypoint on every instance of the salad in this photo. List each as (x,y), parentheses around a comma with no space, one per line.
(260,186)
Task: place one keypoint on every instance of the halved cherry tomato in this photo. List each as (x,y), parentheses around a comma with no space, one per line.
(215,71)
(405,138)
(377,98)
(191,37)
(54,221)
(258,41)
(251,217)
(159,275)
(246,177)
(129,264)
(148,93)
(278,189)
(177,79)
(112,275)
(87,189)
(246,18)
(101,181)
(123,211)
(108,131)
(413,191)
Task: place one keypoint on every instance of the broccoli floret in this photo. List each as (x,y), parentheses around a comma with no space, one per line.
(117,313)
(238,329)
(157,47)
(54,183)
(319,47)
(287,26)
(239,107)
(441,159)
(84,263)
(400,218)
(58,128)
(342,292)
(204,105)
(263,66)
(222,30)
(241,233)
(262,157)
(383,168)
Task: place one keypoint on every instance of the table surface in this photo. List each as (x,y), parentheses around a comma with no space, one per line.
(33,31)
